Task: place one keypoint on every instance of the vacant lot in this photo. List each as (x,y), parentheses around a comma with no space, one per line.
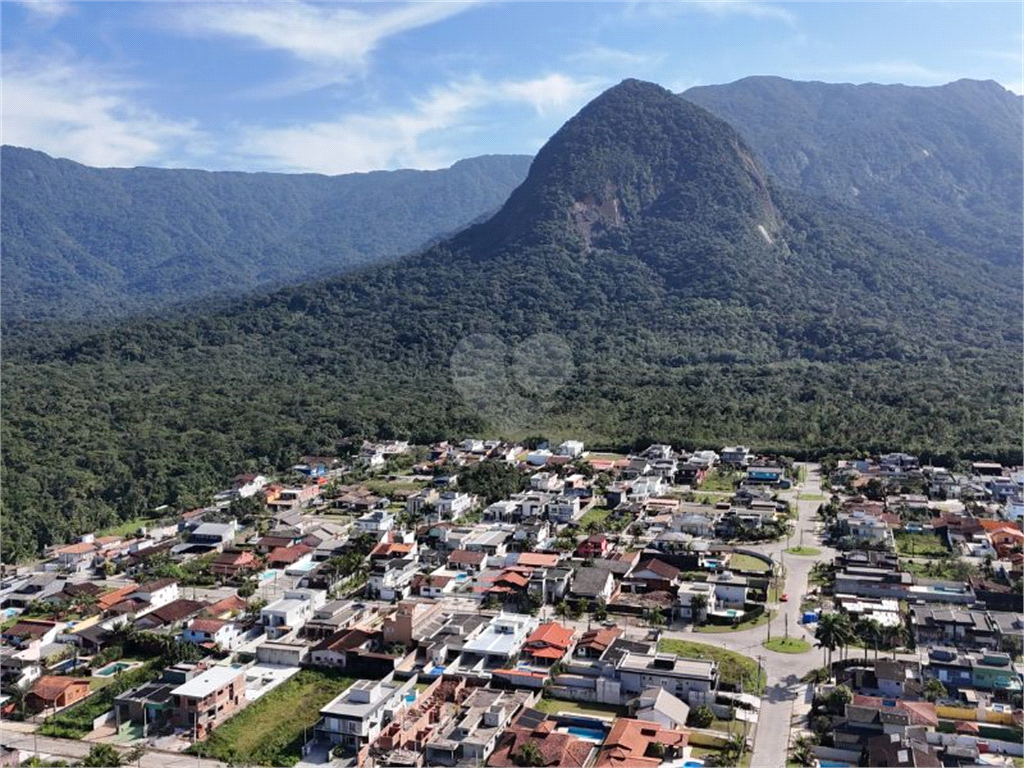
(597,514)
(925,544)
(551,706)
(271,730)
(747,563)
(805,551)
(732,667)
(712,629)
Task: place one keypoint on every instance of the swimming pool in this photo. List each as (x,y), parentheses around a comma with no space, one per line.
(112,669)
(588,734)
(268,575)
(832,764)
(693,764)
(410,698)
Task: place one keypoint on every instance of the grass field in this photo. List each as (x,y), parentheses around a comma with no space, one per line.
(922,544)
(270,730)
(126,528)
(732,667)
(720,481)
(551,706)
(787,645)
(803,551)
(812,496)
(596,514)
(747,563)
(719,629)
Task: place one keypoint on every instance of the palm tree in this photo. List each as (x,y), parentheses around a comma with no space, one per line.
(698,604)
(869,631)
(833,631)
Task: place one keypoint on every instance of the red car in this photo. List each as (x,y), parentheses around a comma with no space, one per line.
(784,599)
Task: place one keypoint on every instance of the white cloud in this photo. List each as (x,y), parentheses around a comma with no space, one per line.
(322,34)
(47,9)
(722,8)
(403,138)
(74,110)
(600,55)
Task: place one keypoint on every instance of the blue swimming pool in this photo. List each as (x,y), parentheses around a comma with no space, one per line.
(832,764)
(693,764)
(590,734)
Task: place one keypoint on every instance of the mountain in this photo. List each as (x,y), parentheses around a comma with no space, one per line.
(945,161)
(90,242)
(647,281)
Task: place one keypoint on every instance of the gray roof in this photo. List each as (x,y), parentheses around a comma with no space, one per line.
(665,703)
(590,582)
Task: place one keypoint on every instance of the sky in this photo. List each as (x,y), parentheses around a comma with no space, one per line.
(342,87)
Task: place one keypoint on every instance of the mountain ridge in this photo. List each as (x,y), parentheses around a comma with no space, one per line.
(683,324)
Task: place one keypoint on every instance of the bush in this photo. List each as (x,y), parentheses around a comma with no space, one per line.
(701,717)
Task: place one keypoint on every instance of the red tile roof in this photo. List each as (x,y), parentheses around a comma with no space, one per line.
(556,748)
(230,604)
(919,712)
(629,739)
(465,557)
(537,560)
(49,687)
(288,555)
(209,626)
(599,639)
(552,634)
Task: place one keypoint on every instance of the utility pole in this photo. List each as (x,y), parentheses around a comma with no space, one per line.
(787,626)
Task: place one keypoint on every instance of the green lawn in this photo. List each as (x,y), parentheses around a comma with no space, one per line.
(812,496)
(718,480)
(732,667)
(597,514)
(939,568)
(810,551)
(747,563)
(126,528)
(718,629)
(787,645)
(923,544)
(728,726)
(551,706)
(270,731)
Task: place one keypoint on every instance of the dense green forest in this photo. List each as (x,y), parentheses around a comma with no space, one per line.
(947,161)
(701,306)
(82,242)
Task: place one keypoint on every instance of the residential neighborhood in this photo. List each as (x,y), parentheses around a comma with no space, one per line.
(485,603)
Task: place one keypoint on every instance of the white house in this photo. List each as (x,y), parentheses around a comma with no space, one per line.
(249,485)
(564,509)
(538,458)
(736,456)
(225,634)
(688,590)
(573,448)
(377,521)
(647,486)
(391,578)
(730,590)
(1015,508)
(157,593)
(503,637)
(355,717)
(453,505)
(546,481)
(291,612)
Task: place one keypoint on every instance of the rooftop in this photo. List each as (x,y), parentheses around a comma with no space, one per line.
(210,681)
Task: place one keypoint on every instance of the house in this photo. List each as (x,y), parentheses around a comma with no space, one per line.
(76,557)
(684,678)
(556,748)
(208,699)
(565,509)
(291,612)
(171,615)
(284,557)
(896,750)
(738,456)
(217,535)
(375,522)
(592,584)
(595,642)
(392,578)
(503,637)
(730,590)
(354,718)
(52,692)
(464,560)
(571,448)
(411,621)
(245,486)
(631,741)
(656,705)
(418,503)
(156,594)
(691,590)
(549,643)
(532,535)
(235,563)
(759,475)
(593,546)
(653,574)
(224,634)
(452,505)
(471,737)
(26,631)
(531,560)
(336,649)
(550,584)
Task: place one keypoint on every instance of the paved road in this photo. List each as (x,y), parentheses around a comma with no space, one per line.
(48,747)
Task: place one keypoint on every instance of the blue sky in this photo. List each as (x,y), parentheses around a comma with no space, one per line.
(339,87)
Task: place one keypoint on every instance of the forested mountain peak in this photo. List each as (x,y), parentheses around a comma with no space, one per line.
(100,243)
(943,161)
(637,151)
